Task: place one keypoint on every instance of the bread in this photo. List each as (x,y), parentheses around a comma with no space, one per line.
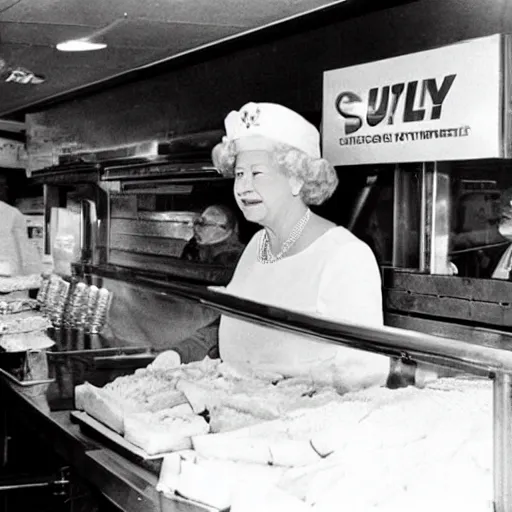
(225,419)
(298,438)
(227,447)
(293,453)
(164,431)
(198,484)
(98,404)
(165,400)
(199,396)
(167,360)
(277,451)
(146,407)
(155,387)
(212,482)
(245,371)
(269,498)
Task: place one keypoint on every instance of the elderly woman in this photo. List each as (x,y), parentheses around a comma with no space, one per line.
(298,261)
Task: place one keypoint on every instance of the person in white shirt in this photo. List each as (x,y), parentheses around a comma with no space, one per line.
(18,256)
(299,260)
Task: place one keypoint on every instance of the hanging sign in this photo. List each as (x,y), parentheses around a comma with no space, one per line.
(442,104)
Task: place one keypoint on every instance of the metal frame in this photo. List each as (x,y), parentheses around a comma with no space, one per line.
(502,442)
(434,223)
(407,230)
(437,203)
(506,98)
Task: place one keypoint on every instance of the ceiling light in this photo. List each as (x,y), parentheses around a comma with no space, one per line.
(90,43)
(80,45)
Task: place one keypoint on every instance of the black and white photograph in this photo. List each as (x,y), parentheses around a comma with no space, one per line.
(255,256)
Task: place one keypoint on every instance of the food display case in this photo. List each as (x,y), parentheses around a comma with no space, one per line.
(482,372)
(158,300)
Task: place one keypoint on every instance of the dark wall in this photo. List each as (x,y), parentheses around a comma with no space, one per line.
(286,69)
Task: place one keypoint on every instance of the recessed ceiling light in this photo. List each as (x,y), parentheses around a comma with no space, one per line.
(92,41)
(80,45)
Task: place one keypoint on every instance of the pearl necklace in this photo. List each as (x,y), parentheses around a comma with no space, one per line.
(265,252)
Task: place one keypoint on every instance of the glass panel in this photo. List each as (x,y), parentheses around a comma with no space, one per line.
(363,202)
(197,223)
(481,218)
(70,218)
(192,229)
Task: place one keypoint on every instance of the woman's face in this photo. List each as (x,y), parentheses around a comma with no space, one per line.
(261,189)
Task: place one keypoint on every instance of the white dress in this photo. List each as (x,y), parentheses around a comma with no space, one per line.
(336,277)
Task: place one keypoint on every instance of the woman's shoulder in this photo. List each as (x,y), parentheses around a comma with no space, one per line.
(339,247)
(338,237)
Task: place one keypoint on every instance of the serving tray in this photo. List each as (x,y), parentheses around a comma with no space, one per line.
(24,383)
(117,442)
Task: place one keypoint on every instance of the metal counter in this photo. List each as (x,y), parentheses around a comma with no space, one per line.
(128,486)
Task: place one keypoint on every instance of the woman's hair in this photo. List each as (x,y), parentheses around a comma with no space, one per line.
(319,177)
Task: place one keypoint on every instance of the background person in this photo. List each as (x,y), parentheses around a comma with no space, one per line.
(18,256)
(476,243)
(504,265)
(215,239)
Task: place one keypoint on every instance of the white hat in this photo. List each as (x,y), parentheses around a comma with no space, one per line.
(261,121)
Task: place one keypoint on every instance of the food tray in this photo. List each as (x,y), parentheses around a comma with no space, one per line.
(24,383)
(117,442)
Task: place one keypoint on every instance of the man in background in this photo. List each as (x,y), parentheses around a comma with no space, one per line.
(504,267)
(478,242)
(215,239)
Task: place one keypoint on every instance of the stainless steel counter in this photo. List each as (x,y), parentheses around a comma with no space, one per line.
(128,486)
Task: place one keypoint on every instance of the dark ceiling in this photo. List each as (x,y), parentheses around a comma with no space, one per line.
(138,34)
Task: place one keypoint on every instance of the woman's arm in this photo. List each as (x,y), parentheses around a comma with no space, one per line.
(204,342)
